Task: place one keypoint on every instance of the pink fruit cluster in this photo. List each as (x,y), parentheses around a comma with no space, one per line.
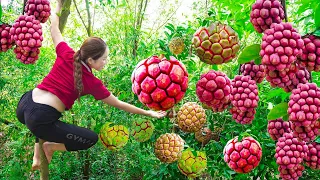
(281,44)
(306,133)
(291,174)
(288,80)
(256,72)
(264,13)
(311,53)
(290,153)
(276,128)
(5,38)
(38,8)
(242,156)
(313,156)
(304,110)
(298,74)
(27,34)
(244,99)
(159,83)
(213,89)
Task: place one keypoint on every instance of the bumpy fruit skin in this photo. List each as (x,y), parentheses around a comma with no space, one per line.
(27,34)
(291,174)
(159,83)
(204,135)
(5,38)
(304,104)
(38,8)
(244,99)
(176,45)
(190,165)
(264,13)
(276,128)
(216,44)
(256,72)
(26,57)
(313,156)
(310,57)
(114,137)
(281,44)
(297,74)
(290,151)
(168,147)
(306,133)
(242,156)
(142,130)
(213,89)
(191,117)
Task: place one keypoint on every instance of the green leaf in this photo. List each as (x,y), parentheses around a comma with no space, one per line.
(317,32)
(170,27)
(249,53)
(0,13)
(215,67)
(318,139)
(286,117)
(258,61)
(317,16)
(278,111)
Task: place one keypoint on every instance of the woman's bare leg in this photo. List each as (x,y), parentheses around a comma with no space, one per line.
(36,157)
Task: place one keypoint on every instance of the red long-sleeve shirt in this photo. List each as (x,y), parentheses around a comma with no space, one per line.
(60,80)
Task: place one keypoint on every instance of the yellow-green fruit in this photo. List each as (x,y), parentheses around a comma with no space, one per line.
(168,147)
(114,137)
(142,130)
(191,165)
(191,117)
(216,44)
(176,45)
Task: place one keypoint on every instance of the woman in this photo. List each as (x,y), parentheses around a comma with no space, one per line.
(69,78)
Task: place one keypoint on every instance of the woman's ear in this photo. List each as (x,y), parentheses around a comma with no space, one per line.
(90,61)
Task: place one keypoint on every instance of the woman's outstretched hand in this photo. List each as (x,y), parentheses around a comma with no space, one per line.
(157,114)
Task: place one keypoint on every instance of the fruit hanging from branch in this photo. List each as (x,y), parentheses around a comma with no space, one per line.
(256,72)
(264,13)
(27,34)
(168,147)
(114,137)
(290,153)
(6,42)
(142,130)
(40,9)
(176,45)
(216,44)
(191,117)
(160,83)
(192,165)
(242,156)
(311,53)
(213,89)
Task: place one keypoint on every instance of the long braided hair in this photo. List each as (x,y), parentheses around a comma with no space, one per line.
(92,47)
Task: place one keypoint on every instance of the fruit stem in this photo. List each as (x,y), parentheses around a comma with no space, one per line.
(24,5)
(283,2)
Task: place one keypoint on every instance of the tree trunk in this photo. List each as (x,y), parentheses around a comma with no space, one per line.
(137,24)
(64,14)
(44,166)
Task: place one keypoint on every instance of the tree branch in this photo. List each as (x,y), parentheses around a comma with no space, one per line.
(283,2)
(89,18)
(84,24)
(65,11)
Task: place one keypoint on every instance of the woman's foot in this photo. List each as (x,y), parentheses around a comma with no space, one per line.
(36,157)
(35,163)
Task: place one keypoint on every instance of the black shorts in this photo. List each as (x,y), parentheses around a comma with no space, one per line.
(43,121)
